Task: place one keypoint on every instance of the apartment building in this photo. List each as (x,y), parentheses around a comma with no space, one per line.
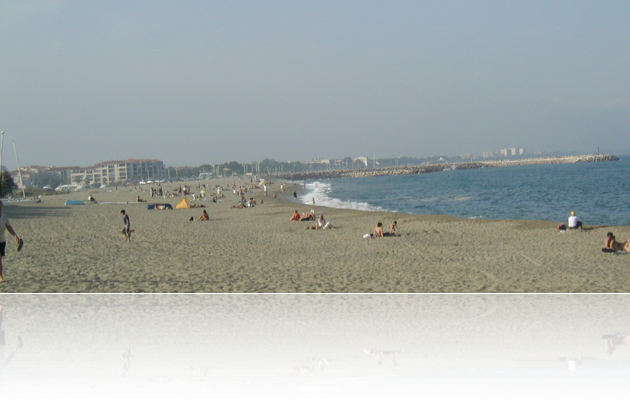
(120,171)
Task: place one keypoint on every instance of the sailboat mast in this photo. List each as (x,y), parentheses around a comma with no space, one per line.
(19,170)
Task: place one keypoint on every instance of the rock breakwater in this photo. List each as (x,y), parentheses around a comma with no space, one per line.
(429,168)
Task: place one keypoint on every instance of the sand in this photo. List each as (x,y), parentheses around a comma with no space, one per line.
(250,293)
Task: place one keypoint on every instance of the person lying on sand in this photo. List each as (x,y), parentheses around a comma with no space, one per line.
(611,244)
(204,216)
(614,339)
(308,216)
(378,355)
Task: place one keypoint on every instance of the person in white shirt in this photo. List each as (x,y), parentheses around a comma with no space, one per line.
(574,222)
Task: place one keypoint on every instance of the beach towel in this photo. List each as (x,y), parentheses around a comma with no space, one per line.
(159,206)
(616,252)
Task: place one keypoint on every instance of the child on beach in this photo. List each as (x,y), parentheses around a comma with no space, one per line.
(393,228)
(126,230)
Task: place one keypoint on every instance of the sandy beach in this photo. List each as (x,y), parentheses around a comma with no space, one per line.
(250,293)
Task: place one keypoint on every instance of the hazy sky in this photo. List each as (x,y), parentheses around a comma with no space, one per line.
(194,82)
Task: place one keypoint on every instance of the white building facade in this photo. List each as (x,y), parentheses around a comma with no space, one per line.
(120,171)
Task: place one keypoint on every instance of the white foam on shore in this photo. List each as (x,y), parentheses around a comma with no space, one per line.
(320,192)
(318,389)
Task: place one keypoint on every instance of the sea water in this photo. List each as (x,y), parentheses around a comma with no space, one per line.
(599,192)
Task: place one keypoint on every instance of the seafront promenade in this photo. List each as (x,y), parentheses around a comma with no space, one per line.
(436,167)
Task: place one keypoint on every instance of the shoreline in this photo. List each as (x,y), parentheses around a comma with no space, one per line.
(452,294)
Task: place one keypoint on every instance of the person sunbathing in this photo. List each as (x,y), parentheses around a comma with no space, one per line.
(322,224)
(308,216)
(204,216)
(296,217)
(611,244)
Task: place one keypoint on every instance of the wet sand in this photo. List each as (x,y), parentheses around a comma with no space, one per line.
(80,249)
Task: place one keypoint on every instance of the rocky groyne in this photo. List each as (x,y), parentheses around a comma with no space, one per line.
(429,168)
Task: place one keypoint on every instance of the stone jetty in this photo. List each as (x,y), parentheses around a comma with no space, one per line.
(429,168)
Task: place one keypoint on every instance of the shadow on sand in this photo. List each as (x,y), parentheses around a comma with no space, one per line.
(35,211)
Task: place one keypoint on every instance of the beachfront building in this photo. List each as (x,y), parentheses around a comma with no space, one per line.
(41,175)
(120,171)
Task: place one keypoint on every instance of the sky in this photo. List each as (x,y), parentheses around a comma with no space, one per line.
(205,82)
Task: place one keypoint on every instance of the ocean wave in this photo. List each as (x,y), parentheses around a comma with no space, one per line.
(320,192)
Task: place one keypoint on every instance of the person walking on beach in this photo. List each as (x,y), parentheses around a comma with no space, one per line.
(3,344)
(5,224)
(126,230)
(295,196)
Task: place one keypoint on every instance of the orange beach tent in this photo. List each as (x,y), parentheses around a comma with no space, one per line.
(183,204)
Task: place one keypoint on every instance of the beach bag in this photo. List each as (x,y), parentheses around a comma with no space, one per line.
(562,226)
